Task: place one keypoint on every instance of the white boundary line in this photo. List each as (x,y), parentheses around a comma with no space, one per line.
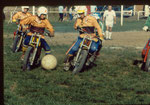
(118,48)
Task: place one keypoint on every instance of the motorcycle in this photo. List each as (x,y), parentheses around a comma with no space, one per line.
(33,51)
(83,57)
(146,56)
(19,37)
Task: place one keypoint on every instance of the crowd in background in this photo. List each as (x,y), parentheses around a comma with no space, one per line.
(69,11)
(63,15)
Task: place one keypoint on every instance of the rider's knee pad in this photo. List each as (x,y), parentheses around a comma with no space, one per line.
(74,48)
(24,48)
(93,49)
(47,48)
(47,52)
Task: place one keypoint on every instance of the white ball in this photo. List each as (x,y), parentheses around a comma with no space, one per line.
(49,62)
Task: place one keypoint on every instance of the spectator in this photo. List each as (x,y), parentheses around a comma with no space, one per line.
(88,9)
(65,13)
(70,13)
(93,9)
(110,19)
(95,13)
(60,8)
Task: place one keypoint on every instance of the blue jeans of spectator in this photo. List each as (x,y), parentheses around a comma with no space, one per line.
(71,16)
(61,16)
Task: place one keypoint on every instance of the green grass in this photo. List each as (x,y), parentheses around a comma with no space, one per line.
(113,81)
(129,24)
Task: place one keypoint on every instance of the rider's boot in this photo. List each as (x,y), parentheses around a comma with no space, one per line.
(97,52)
(22,57)
(91,59)
(24,48)
(67,62)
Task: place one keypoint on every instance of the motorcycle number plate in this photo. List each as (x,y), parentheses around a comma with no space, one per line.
(36,40)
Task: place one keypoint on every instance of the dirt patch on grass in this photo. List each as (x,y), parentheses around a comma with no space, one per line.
(64,85)
(13,86)
(123,39)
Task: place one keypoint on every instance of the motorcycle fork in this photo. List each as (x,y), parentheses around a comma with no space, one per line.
(20,41)
(80,48)
(145,58)
(35,50)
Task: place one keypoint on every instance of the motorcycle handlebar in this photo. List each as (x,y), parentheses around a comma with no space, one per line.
(38,34)
(83,30)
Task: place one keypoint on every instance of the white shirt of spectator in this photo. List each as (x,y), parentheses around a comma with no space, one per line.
(109,15)
(60,9)
(70,10)
(93,7)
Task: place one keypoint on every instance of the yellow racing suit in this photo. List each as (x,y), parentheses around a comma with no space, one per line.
(88,23)
(37,25)
(20,16)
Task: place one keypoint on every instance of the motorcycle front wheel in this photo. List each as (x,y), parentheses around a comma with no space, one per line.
(27,58)
(17,44)
(81,62)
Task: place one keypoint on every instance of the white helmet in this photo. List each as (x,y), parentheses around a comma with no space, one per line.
(42,10)
(23,7)
(49,62)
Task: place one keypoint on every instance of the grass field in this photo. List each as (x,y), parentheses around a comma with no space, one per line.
(115,80)
(130,24)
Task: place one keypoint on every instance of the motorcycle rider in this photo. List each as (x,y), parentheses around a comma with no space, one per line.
(21,14)
(89,23)
(38,24)
(147,24)
(146,28)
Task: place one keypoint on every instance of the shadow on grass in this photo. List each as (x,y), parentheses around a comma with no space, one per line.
(140,64)
(88,68)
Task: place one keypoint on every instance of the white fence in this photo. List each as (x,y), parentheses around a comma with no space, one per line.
(137,13)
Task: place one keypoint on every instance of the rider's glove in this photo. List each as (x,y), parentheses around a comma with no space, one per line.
(24,28)
(78,28)
(17,21)
(14,20)
(145,28)
(51,35)
(101,37)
